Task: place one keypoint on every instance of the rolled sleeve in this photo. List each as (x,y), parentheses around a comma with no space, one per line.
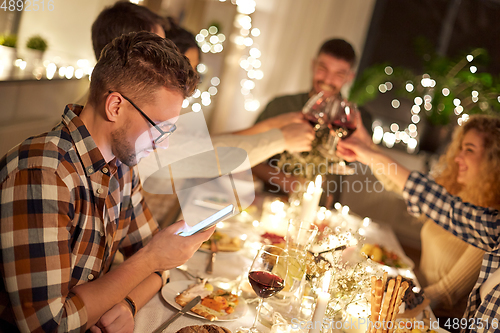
(478,226)
(36,257)
(259,147)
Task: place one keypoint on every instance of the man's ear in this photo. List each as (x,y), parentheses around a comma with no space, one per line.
(113,106)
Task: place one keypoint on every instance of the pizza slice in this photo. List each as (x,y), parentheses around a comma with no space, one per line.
(214,303)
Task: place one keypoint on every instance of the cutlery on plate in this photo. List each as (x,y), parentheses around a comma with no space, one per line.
(184,270)
(185,309)
(214,249)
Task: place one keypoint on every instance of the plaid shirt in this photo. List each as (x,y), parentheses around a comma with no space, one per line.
(64,214)
(475,225)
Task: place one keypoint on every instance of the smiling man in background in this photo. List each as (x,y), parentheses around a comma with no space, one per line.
(332,69)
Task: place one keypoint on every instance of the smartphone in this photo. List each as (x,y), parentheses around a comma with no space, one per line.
(222,214)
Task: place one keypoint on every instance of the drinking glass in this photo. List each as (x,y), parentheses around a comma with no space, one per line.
(300,235)
(316,111)
(342,116)
(299,238)
(267,276)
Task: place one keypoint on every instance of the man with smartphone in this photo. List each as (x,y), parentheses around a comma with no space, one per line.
(70,199)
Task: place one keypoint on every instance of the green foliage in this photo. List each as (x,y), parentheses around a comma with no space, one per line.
(37,43)
(8,40)
(453,75)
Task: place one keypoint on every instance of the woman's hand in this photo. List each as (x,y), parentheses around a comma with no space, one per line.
(354,149)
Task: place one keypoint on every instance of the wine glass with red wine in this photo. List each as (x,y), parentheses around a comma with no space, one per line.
(267,276)
(315,111)
(342,116)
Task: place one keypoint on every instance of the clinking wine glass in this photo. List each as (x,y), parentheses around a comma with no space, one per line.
(316,111)
(267,276)
(342,116)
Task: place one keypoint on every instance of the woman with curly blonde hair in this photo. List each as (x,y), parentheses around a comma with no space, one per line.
(470,169)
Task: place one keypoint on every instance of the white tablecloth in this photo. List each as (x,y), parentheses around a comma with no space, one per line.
(230,266)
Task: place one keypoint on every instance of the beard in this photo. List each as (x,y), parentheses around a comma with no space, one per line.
(122,148)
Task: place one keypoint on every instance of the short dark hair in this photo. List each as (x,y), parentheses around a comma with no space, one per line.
(340,49)
(137,64)
(181,37)
(121,18)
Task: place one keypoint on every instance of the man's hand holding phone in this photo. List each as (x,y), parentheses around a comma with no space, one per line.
(210,221)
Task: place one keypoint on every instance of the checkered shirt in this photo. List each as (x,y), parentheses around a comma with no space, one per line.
(64,214)
(477,226)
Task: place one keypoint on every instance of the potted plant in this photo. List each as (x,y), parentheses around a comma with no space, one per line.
(36,46)
(37,43)
(7,54)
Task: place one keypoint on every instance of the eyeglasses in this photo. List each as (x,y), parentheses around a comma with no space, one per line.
(165,129)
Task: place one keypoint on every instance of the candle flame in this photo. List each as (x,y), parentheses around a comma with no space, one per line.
(318,181)
(310,188)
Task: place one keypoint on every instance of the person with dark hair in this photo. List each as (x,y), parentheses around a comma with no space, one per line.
(121,18)
(184,40)
(332,69)
(70,199)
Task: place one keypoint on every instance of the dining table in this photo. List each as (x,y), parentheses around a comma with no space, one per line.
(230,269)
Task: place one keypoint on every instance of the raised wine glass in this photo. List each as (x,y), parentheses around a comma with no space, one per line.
(342,116)
(267,276)
(316,111)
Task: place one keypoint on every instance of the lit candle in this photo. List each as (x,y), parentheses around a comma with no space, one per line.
(307,211)
(274,218)
(318,190)
(310,201)
(322,304)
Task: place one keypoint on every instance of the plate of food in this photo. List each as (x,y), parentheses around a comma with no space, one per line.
(225,242)
(216,304)
(386,257)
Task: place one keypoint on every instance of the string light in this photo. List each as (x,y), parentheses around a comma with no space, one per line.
(209,40)
(409,136)
(250,62)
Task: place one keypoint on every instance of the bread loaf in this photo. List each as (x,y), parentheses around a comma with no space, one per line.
(204,329)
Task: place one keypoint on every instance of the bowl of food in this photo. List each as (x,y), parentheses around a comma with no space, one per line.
(386,257)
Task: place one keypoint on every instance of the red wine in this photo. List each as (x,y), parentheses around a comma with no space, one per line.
(343,130)
(265,284)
